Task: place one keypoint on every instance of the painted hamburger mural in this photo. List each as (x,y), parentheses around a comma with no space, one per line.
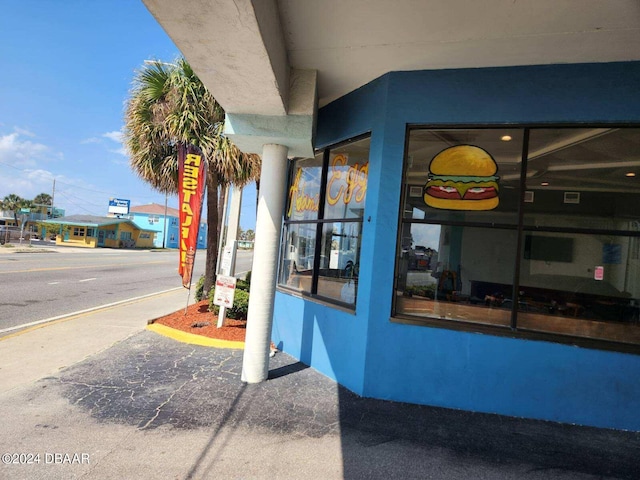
(462,178)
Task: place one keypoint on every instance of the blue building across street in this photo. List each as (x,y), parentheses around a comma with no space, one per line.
(165,222)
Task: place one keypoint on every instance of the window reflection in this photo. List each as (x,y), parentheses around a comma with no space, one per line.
(298,256)
(327,266)
(339,261)
(459,273)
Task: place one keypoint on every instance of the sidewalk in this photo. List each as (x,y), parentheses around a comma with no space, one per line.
(100,397)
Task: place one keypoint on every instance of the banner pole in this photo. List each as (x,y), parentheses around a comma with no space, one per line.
(187,305)
(204,193)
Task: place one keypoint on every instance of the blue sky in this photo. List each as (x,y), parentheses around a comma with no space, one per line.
(67,68)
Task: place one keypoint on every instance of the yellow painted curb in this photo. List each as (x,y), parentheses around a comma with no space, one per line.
(192,338)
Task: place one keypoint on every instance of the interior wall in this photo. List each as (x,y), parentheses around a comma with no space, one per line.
(488,256)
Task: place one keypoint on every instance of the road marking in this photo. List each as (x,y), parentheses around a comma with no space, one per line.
(45,269)
(87,279)
(53,283)
(70,316)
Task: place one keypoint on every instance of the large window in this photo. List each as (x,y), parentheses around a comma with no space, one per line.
(323,223)
(531,230)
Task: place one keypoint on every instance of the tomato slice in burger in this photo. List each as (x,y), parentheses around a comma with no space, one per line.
(479,193)
(443,192)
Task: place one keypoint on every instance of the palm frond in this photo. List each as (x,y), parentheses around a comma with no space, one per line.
(168,104)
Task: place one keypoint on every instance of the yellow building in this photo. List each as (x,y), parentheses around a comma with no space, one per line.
(92,231)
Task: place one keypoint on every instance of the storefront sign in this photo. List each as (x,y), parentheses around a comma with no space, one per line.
(191,183)
(299,200)
(348,185)
(118,206)
(225,291)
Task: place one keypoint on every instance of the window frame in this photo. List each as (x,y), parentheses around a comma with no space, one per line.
(521,229)
(319,223)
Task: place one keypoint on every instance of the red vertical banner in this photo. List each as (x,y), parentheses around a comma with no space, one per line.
(191,183)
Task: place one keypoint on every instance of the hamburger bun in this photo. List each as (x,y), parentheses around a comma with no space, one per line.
(462,178)
(449,204)
(463,160)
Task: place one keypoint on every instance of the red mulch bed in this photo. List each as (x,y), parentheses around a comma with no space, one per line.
(233,330)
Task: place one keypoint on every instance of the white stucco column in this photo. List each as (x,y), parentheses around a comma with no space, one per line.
(255,364)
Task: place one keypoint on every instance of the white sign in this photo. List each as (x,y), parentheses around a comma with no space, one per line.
(598,273)
(227,257)
(119,206)
(225,291)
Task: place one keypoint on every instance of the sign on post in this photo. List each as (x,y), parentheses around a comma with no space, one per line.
(119,206)
(225,291)
(227,267)
(227,260)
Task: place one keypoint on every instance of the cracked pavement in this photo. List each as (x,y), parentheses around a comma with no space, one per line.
(151,407)
(149,381)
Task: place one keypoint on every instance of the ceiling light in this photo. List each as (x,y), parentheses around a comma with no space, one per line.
(630,174)
(544,184)
(506,138)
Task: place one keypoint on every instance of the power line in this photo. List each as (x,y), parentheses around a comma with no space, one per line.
(54,177)
(76,205)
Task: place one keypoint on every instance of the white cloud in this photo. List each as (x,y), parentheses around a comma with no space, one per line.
(22,131)
(26,183)
(21,153)
(90,140)
(73,195)
(115,136)
(120,151)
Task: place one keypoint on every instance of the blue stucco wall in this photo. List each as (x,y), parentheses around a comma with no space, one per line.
(375,357)
(172,230)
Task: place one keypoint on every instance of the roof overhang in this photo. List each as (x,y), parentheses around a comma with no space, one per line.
(247,52)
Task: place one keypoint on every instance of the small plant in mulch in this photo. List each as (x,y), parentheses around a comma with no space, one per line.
(199,314)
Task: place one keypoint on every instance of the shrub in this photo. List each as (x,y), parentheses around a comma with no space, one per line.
(199,294)
(244,284)
(240,306)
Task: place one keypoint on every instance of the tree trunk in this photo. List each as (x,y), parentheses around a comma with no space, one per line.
(221,203)
(212,228)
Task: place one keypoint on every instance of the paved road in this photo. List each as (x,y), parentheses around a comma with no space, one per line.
(38,286)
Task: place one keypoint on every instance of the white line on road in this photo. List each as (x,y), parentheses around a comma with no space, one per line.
(108,305)
(87,279)
(53,283)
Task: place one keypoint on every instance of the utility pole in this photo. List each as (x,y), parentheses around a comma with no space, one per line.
(53,196)
(164,234)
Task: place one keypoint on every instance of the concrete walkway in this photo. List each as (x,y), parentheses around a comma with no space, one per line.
(100,397)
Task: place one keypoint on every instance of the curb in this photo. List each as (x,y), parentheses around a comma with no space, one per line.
(192,338)
(27,327)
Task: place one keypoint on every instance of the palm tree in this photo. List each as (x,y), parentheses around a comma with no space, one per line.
(14,203)
(43,200)
(169,105)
